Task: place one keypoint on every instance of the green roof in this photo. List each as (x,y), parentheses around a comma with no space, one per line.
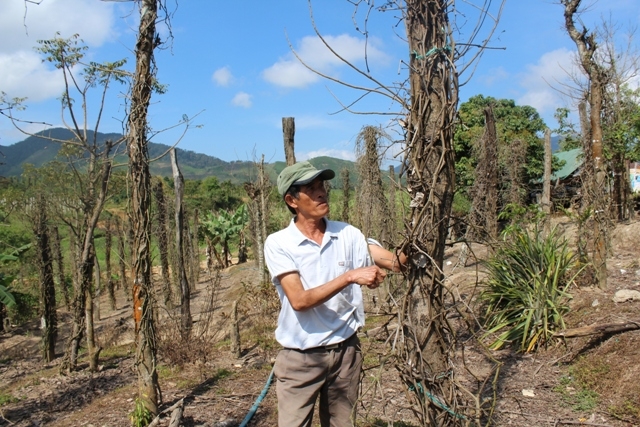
(573,160)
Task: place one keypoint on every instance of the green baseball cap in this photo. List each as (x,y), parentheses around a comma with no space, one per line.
(301,173)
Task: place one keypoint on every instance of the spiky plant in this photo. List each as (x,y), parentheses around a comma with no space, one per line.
(527,289)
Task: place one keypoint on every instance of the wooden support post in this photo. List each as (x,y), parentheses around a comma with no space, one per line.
(235,331)
(288,132)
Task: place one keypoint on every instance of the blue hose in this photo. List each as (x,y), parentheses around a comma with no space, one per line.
(256,404)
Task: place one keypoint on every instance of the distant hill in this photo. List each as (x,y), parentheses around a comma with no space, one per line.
(38,150)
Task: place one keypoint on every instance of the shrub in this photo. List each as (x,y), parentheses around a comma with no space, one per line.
(25,307)
(526,295)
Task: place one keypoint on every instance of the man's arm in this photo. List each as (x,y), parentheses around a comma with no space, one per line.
(303,299)
(386,259)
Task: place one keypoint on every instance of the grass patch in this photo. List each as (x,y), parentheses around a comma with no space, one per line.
(574,396)
(7,398)
(118,351)
(589,372)
(221,374)
(627,409)
(187,383)
(166,372)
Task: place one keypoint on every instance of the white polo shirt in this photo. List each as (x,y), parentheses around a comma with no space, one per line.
(343,248)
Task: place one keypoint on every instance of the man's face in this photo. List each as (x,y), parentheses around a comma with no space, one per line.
(312,200)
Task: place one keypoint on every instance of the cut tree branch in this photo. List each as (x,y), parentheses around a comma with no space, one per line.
(606,328)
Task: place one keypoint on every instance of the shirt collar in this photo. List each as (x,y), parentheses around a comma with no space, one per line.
(296,235)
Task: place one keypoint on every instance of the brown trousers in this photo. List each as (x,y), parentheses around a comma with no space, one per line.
(332,374)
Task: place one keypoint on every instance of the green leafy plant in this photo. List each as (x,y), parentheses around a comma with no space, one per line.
(7,298)
(526,294)
(141,416)
(224,227)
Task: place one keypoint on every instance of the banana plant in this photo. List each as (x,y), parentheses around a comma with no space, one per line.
(225,226)
(6,297)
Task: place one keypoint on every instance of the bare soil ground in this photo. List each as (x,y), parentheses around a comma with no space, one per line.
(592,381)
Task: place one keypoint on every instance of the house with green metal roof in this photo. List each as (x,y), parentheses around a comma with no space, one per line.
(573,160)
(564,185)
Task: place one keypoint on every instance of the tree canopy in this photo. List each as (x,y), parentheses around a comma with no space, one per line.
(515,125)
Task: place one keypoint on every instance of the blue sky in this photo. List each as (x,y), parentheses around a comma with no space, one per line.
(230,66)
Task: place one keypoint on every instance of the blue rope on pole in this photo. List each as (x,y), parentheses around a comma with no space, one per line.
(256,404)
(437,401)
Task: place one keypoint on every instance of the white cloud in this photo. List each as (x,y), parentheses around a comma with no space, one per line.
(339,154)
(22,74)
(544,79)
(222,76)
(22,23)
(242,99)
(9,134)
(289,72)
(315,122)
(495,75)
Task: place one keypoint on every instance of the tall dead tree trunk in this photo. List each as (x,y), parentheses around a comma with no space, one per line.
(140,203)
(97,284)
(517,155)
(49,316)
(74,257)
(373,208)
(288,132)
(57,251)
(242,248)
(491,174)
(92,350)
(163,240)
(393,210)
(185,291)
(482,221)
(425,359)
(93,205)
(595,190)
(582,236)
(257,212)
(108,244)
(122,261)
(620,187)
(194,277)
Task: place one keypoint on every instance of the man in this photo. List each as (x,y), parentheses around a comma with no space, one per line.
(318,267)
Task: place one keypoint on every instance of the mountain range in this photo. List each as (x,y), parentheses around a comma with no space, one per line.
(39,150)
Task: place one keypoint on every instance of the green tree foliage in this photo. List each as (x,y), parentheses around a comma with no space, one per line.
(622,125)
(569,137)
(210,194)
(513,123)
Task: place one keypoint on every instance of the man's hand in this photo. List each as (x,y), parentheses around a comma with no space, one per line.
(370,276)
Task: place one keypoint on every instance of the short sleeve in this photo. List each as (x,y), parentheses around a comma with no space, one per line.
(372,241)
(361,248)
(277,259)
